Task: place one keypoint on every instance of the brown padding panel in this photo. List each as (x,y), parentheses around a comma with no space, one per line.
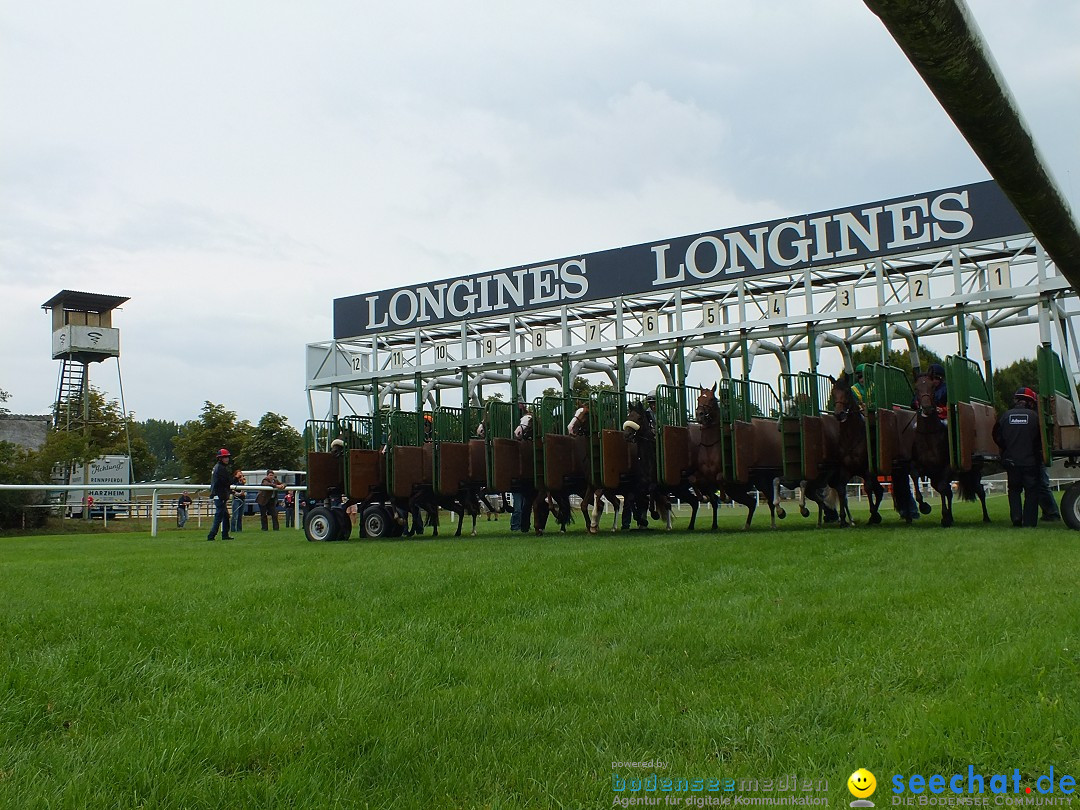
(791,437)
(888,440)
(478,462)
(453,467)
(408,470)
(985,419)
(768,452)
(965,425)
(905,432)
(616,453)
(367,473)
(813,442)
(325,471)
(559,454)
(676,454)
(743,439)
(506,456)
(528,454)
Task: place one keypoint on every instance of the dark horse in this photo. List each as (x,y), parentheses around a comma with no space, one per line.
(930,457)
(639,430)
(853,458)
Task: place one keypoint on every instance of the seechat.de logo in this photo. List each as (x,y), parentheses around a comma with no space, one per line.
(862,785)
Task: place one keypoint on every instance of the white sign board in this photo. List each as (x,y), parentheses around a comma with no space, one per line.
(109,473)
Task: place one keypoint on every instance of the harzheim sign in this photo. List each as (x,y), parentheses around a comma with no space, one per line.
(972,213)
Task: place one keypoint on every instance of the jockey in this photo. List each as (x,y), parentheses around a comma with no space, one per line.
(940,393)
(858,388)
(650,408)
(429,427)
(578,426)
(524,429)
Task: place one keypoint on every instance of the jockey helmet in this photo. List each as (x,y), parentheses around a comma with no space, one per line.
(936,370)
(1026,393)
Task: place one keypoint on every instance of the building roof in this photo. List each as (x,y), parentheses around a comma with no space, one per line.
(84,301)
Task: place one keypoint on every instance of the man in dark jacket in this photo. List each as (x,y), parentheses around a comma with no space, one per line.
(221,491)
(1017,434)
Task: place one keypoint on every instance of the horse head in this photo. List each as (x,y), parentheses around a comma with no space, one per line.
(636,428)
(924,394)
(844,402)
(708,407)
(580,421)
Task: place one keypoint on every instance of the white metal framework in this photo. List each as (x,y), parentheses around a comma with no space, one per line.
(964,289)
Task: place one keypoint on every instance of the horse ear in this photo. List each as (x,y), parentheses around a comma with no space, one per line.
(714,389)
(832,379)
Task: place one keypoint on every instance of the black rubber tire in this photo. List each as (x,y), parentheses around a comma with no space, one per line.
(321,525)
(1070,506)
(375,522)
(344,523)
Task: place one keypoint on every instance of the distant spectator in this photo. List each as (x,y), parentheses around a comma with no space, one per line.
(290,510)
(239,500)
(267,500)
(182,505)
(220,491)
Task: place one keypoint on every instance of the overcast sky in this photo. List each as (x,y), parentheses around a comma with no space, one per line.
(233,167)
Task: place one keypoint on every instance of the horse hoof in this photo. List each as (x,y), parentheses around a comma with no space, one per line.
(925,508)
(780,513)
(804,511)
(875,519)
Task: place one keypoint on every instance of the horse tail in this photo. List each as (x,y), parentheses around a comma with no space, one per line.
(967,486)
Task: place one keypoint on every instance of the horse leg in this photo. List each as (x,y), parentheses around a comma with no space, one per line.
(946,500)
(778,508)
(980,491)
(540,515)
(802,500)
(875,493)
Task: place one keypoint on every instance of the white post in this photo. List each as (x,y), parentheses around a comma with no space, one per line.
(153,514)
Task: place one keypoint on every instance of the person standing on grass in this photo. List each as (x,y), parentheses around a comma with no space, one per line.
(267,501)
(290,510)
(1017,434)
(220,491)
(182,505)
(239,501)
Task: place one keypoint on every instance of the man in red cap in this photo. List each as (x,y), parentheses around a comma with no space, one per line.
(1017,434)
(221,491)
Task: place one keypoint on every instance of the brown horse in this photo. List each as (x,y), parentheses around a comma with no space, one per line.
(853,458)
(930,457)
(709,468)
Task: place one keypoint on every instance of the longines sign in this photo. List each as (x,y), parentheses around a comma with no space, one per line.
(936,219)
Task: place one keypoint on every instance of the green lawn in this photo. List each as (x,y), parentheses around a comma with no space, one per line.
(512,672)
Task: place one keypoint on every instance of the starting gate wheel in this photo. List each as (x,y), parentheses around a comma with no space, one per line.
(320,525)
(1070,506)
(344,523)
(376,522)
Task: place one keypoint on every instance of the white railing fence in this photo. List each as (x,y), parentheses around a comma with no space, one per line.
(153,506)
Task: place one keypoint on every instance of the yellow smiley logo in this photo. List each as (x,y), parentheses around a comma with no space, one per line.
(861,783)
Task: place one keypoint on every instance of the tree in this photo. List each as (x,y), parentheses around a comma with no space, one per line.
(871,353)
(20,466)
(200,439)
(1021,374)
(108,434)
(159,436)
(4,397)
(580,390)
(273,444)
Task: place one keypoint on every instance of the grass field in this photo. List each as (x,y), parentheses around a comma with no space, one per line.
(512,672)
